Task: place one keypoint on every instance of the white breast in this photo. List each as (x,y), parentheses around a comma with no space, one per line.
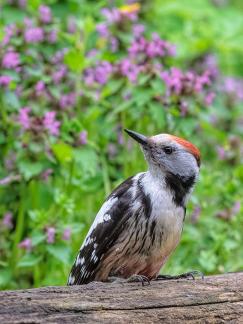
(169,217)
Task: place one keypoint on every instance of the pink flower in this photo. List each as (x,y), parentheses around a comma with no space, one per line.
(34,35)
(28,22)
(58,56)
(5,80)
(72,26)
(236,207)
(129,69)
(209,98)
(67,100)
(9,179)
(234,87)
(83,137)
(114,44)
(102,72)
(24,118)
(52,36)
(50,234)
(10,60)
(156,47)
(45,14)
(184,108)
(103,30)
(89,78)
(39,88)
(92,53)
(120,137)
(22,3)
(8,220)
(195,214)
(221,153)
(19,90)
(50,123)
(112,15)
(213,119)
(46,174)
(9,32)
(26,244)
(138,30)
(9,161)
(66,234)
(173,80)
(59,74)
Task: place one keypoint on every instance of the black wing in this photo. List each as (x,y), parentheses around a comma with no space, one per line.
(103,233)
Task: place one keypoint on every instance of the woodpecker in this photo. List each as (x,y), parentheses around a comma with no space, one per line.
(140,223)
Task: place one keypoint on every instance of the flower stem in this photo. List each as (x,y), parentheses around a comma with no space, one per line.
(19,228)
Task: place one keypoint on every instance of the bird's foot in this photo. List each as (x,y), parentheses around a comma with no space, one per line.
(187,275)
(134,278)
(139,278)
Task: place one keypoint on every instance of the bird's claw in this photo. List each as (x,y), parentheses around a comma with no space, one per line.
(186,275)
(139,278)
(134,278)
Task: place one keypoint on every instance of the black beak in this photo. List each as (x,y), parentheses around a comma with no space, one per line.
(138,137)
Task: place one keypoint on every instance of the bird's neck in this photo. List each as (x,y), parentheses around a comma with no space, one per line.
(180,187)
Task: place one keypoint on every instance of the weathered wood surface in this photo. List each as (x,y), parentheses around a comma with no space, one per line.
(216,299)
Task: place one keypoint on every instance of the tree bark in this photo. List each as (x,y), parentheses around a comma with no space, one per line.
(215,299)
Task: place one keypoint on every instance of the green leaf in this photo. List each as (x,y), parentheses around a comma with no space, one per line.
(11,100)
(63,152)
(75,60)
(111,88)
(208,261)
(5,277)
(158,86)
(142,96)
(157,114)
(29,260)
(89,25)
(238,172)
(86,158)
(37,238)
(92,184)
(60,251)
(123,106)
(30,169)
(143,78)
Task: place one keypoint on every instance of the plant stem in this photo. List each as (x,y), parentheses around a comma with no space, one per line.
(37,275)
(105,173)
(19,228)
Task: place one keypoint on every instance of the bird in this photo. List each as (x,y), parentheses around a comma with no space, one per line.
(141,221)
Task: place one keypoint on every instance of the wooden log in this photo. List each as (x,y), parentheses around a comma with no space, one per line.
(216,299)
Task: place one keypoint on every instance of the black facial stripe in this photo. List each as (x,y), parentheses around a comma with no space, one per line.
(180,186)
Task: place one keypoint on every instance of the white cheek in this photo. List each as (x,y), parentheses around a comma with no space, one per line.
(184,165)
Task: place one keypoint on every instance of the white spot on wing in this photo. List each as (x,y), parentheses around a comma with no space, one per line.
(94,256)
(88,241)
(106,217)
(80,261)
(71,280)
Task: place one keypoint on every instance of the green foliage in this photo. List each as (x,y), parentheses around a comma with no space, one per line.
(56,170)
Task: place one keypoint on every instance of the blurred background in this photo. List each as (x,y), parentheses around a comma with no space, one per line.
(73,74)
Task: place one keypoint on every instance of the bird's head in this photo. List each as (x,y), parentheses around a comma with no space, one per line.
(169,154)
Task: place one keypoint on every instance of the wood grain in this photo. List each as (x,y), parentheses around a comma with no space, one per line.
(216,299)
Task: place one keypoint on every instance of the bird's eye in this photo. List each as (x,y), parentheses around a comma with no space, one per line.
(168,149)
